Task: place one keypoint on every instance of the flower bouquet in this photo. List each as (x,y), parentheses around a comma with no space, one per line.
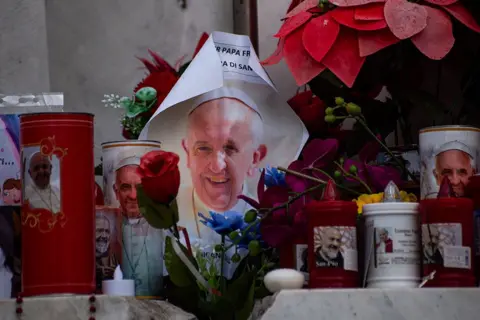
(197,283)
(252,240)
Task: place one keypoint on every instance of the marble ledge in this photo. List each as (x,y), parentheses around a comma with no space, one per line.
(77,308)
(377,304)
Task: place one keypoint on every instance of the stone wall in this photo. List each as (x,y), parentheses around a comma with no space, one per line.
(87,48)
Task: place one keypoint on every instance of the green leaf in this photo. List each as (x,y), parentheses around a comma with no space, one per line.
(245,312)
(179,274)
(134,109)
(240,288)
(158,215)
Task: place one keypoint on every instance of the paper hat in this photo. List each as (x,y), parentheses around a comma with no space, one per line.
(454,145)
(225,92)
(130,161)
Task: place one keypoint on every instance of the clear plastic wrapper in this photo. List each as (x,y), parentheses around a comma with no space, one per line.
(31,103)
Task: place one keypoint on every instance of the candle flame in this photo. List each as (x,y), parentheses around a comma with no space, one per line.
(330,193)
(118,274)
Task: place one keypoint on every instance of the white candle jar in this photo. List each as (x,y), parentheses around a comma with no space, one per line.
(392,245)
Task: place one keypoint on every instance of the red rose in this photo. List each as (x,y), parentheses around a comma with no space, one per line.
(160,175)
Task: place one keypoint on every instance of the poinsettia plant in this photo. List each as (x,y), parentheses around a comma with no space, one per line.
(380,54)
(339,35)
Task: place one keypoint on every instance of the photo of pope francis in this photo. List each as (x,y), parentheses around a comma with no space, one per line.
(223,146)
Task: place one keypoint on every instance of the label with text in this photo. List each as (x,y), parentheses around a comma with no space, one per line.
(436,237)
(336,247)
(396,246)
(301,260)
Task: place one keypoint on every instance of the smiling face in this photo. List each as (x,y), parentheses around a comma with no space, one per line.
(222,150)
(40,170)
(457,166)
(125,187)
(331,242)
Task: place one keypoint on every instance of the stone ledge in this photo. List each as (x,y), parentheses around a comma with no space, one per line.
(77,308)
(376,304)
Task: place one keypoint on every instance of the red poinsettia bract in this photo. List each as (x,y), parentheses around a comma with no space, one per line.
(313,39)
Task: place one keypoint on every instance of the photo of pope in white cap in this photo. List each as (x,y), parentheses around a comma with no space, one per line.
(226,122)
(456,161)
(125,186)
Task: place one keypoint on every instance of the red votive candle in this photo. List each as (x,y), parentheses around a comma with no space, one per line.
(447,241)
(473,191)
(58,205)
(332,242)
(294,255)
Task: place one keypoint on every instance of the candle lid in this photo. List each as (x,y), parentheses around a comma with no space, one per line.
(391,193)
(330,192)
(446,190)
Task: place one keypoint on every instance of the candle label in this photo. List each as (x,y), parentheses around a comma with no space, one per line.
(396,246)
(107,244)
(442,245)
(301,260)
(336,247)
(444,150)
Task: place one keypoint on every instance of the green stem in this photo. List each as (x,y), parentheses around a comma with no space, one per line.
(175,231)
(323,172)
(267,212)
(305,176)
(222,262)
(357,178)
(400,163)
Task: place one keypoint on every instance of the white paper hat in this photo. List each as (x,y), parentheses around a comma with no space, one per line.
(127,162)
(225,92)
(454,145)
(227,66)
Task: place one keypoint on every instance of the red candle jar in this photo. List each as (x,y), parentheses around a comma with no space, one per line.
(473,190)
(447,241)
(58,203)
(294,255)
(332,244)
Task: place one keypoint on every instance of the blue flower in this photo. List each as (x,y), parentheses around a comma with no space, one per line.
(274,177)
(248,235)
(223,223)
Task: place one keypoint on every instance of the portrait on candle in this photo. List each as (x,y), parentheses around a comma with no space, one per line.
(119,162)
(141,245)
(301,253)
(437,239)
(41,176)
(451,152)
(10,161)
(383,240)
(107,244)
(125,186)
(333,247)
